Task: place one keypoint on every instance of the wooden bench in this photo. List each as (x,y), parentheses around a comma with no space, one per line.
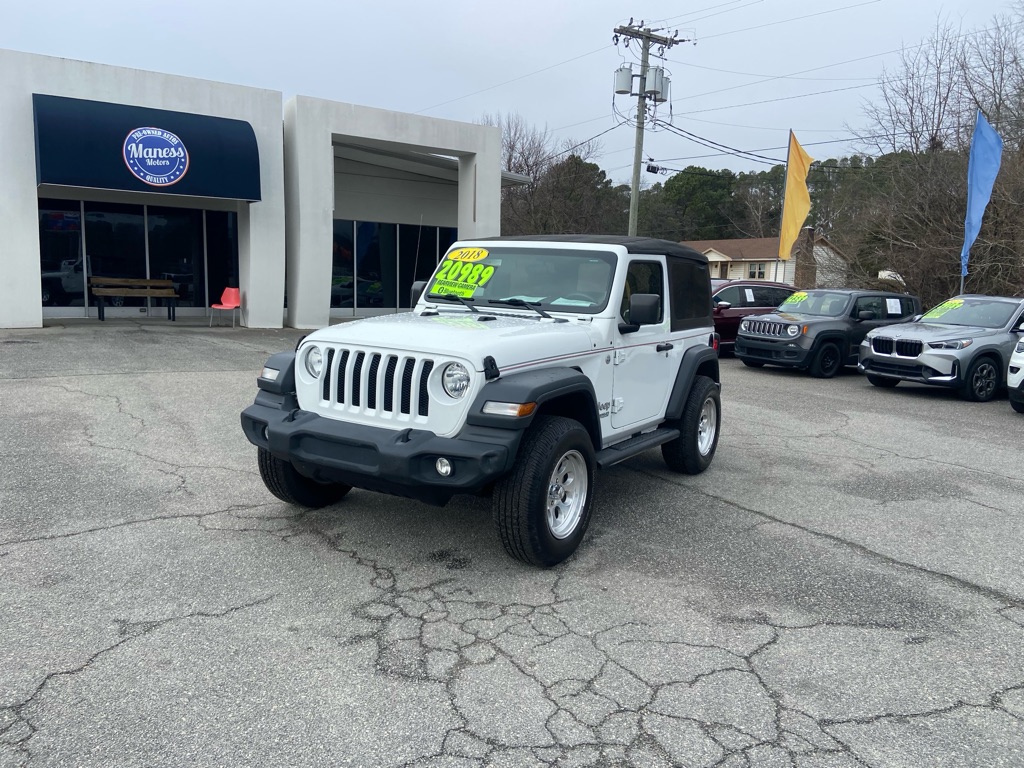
(102,288)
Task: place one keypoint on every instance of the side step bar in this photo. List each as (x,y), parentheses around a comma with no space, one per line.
(634,446)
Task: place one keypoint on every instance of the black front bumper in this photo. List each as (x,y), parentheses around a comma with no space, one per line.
(1016,395)
(402,463)
(781,352)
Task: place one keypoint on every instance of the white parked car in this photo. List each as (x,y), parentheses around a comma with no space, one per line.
(524,365)
(1015,376)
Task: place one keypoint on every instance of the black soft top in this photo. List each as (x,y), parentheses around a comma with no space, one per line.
(641,245)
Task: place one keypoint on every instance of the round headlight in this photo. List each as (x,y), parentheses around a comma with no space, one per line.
(314,362)
(793,330)
(455,380)
(744,326)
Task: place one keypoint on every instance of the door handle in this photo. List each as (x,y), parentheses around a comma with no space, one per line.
(664,347)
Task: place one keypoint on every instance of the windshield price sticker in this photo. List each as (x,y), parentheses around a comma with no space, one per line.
(796,298)
(943,308)
(462,272)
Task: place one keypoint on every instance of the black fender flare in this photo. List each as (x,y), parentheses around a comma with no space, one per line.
(284,382)
(539,386)
(696,360)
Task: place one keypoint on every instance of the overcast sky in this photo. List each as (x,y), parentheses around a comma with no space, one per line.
(460,60)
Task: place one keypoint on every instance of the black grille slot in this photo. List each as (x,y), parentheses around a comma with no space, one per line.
(389,383)
(357,377)
(882,345)
(327,375)
(342,368)
(428,366)
(908,347)
(407,385)
(766,328)
(371,381)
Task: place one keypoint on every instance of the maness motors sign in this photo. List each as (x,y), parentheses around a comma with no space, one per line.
(155,156)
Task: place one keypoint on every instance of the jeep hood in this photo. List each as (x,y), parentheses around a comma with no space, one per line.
(463,335)
(935,331)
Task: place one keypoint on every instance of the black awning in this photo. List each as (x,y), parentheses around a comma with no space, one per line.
(82,143)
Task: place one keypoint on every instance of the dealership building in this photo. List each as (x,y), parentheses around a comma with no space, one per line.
(315,210)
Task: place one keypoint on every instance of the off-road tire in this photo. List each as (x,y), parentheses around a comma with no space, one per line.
(753,363)
(285,482)
(982,381)
(827,361)
(519,503)
(691,453)
(883,381)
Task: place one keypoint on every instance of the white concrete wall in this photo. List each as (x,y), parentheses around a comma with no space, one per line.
(261,227)
(311,128)
(365,192)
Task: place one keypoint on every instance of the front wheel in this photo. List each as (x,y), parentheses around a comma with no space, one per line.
(981,381)
(542,507)
(692,452)
(285,482)
(827,362)
(882,381)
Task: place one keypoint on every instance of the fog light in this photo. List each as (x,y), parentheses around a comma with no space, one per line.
(443,467)
(264,433)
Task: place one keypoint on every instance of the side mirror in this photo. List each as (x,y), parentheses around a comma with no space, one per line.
(416,291)
(644,308)
(865,314)
(720,305)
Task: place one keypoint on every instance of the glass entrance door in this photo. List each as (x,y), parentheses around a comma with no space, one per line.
(115,246)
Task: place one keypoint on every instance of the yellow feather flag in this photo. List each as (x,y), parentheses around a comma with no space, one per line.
(797,201)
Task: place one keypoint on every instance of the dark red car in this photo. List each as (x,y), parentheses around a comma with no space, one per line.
(735,299)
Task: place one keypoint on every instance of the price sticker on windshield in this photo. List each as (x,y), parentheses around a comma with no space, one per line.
(462,272)
(795,298)
(943,308)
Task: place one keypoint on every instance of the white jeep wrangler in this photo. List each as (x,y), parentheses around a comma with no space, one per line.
(525,364)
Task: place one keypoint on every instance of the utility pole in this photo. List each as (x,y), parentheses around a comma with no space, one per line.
(646,38)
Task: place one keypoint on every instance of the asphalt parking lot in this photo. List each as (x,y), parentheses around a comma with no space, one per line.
(844,587)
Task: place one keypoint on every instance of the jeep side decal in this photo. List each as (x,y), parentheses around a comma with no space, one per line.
(463,271)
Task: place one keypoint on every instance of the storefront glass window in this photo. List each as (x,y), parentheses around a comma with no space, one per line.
(60,253)
(376,265)
(445,237)
(115,242)
(176,252)
(221,253)
(343,249)
(417,257)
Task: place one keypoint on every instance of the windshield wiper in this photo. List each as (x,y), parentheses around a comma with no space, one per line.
(534,305)
(453,297)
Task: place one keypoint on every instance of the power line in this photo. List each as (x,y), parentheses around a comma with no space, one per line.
(513,80)
(743,154)
(795,18)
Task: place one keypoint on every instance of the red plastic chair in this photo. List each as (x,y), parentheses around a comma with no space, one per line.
(230,299)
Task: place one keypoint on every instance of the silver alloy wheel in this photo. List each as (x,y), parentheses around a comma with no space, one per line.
(707,427)
(567,494)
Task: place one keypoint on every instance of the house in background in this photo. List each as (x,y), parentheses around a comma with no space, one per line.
(757,258)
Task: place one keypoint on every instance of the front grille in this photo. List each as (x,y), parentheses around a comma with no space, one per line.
(883,345)
(908,347)
(766,327)
(369,381)
(896,369)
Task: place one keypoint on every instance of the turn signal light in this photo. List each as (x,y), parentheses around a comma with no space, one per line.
(495,408)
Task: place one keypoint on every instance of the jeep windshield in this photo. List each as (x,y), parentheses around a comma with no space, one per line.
(984,313)
(824,303)
(552,279)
